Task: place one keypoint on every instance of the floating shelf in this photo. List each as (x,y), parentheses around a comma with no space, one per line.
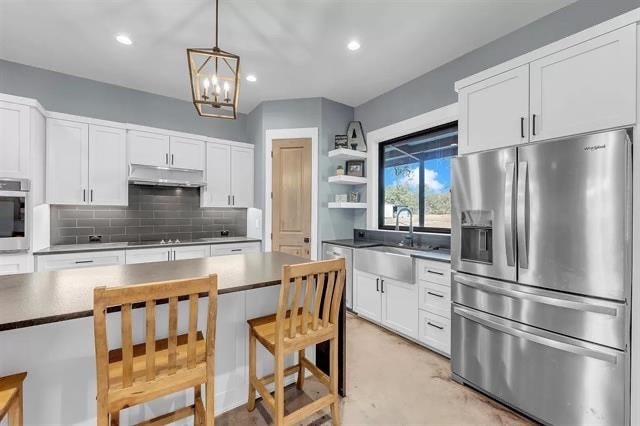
(334,205)
(348,180)
(347,154)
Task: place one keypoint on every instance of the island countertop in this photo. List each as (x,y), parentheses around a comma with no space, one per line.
(28,300)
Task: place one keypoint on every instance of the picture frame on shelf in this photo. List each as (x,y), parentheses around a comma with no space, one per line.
(341,198)
(341,141)
(354,197)
(355,168)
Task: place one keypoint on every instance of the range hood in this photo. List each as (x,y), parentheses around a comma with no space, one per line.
(141,174)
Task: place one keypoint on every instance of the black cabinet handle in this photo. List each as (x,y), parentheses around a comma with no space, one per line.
(78,262)
(435,294)
(377,284)
(84,195)
(435,326)
(381,286)
(91,195)
(236,249)
(522,127)
(435,272)
(172,159)
(228,200)
(534,125)
(166,158)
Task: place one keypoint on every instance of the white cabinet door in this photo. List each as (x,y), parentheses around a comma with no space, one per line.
(367,295)
(146,148)
(494,112)
(15,264)
(218,190)
(588,87)
(14,140)
(241,177)
(187,153)
(191,252)
(56,262)
(108,166)
(67,163)
(237,248)
(145,255)
(400,306)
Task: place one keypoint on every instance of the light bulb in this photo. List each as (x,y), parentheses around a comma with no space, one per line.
(205,83)
(226,85)
(214,79)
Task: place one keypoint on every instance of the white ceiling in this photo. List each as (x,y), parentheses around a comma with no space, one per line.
(297,48)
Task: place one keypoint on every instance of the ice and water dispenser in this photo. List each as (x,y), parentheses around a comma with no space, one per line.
(477,236)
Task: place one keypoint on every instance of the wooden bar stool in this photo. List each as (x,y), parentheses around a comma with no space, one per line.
(311,319)
(11,398)
(139,373)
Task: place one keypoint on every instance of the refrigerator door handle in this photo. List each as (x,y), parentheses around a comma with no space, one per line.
(523,255)
(497,287)
(533,336)
(508,213)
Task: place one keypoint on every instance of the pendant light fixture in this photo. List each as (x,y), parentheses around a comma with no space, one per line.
(215,80)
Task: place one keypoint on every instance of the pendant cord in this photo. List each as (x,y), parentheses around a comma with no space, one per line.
(216,24)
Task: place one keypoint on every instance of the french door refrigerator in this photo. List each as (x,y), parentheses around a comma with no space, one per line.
(541,254)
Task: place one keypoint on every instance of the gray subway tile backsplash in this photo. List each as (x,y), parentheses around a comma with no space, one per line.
(154,213)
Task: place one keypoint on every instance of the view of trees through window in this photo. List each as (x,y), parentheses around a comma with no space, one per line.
(415,172)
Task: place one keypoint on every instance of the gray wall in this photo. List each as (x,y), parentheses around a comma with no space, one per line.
(79,96)
(330,118)
(154,213)
(435,89)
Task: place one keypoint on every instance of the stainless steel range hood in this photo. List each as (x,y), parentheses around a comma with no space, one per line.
(141,174)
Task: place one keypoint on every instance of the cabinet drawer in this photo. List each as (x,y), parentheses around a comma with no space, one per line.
(238,248)
(435,272)
(56,262)
(435,298)
(435,331)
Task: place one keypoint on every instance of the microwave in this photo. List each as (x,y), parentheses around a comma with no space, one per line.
(14,215)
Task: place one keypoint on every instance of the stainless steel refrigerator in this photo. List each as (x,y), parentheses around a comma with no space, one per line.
(541,293)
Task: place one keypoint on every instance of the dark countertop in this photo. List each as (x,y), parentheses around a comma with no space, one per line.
(81,248)
(28,300)
(440,255)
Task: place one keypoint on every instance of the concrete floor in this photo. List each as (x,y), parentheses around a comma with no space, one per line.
(390,381)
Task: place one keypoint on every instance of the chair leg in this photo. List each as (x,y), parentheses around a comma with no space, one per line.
(251,399)
(301,371)
(197,396)
(16,410)
(210,397)
(115,418)
(279,388)
(333,382)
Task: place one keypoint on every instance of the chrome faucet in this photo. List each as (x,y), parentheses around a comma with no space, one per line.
(410,237)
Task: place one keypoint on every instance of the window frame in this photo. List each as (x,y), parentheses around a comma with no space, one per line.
(421,202)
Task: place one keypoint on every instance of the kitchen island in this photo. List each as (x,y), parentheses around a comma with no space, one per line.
(46,329)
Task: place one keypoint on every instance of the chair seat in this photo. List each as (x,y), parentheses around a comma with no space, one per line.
(161,358)
(265,331)
(9,391)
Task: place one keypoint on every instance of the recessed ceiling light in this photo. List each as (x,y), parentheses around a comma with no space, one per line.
(353,45)
(252,78)
(124,39)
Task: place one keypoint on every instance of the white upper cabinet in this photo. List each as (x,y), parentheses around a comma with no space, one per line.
(108,166)
(85,164)
(186,153)
(588,87)
(150,149)
(218,190)
(494,112)
(241,177)
(14,140)
(67,164)
(229,175)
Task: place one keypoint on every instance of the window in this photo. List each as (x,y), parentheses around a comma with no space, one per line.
(415,172)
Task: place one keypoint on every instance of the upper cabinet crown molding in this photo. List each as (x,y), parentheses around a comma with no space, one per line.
(23,101)
(630,18)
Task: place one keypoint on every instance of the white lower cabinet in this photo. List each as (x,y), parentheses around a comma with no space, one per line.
(391,303)
(367,295)
(237,248)
(191,252)
(435,331)
(15,264)
(56,262)
(146,255)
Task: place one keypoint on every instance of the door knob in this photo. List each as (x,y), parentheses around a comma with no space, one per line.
(306,239)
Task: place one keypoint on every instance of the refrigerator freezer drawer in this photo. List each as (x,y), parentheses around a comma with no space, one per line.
(555,379)
(594,320)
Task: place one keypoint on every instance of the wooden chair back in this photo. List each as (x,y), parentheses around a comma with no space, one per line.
(148,296)
(319,285)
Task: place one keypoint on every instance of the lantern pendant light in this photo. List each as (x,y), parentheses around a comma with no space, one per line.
(215,80)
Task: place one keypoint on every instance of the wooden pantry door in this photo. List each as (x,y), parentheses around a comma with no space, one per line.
(291,205)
